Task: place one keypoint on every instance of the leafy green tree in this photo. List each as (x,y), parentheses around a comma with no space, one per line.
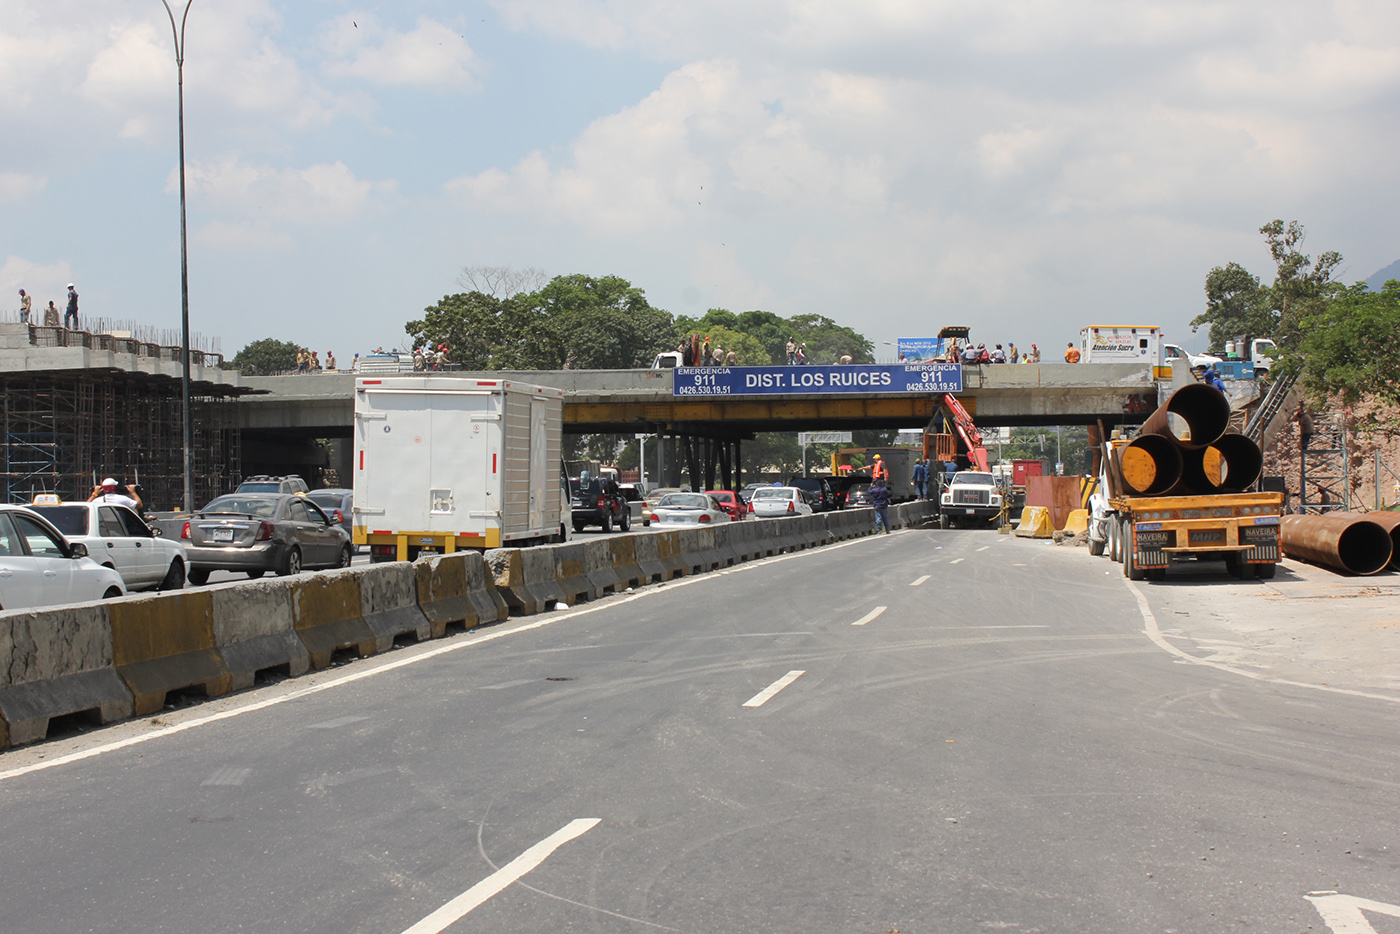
(1238,303)
(265,358)
(1350,346)
(748,351)
(828,341)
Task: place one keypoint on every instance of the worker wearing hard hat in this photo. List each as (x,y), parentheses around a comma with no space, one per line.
(881,472)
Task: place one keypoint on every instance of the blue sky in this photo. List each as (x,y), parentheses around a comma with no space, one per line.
(1024,167)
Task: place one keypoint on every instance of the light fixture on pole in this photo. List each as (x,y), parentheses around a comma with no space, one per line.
(179,36)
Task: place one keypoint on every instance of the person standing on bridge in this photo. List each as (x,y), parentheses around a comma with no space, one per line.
(1072,353)
(25,305)
(1011,356)
(72,312)
(792,351)
(880,499)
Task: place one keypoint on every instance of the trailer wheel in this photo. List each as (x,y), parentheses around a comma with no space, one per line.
(1130,569)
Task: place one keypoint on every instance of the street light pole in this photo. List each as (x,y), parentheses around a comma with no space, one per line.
(179,37)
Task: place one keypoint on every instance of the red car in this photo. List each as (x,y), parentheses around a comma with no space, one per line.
(731,502)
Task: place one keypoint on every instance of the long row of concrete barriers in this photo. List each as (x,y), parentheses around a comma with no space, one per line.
(101,662)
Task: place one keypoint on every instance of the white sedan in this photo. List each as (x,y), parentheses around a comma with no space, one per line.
(39,568)
(688,509)
(116,537)
(771,502)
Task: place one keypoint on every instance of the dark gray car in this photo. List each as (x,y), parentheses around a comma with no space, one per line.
(261,532)
(335,500)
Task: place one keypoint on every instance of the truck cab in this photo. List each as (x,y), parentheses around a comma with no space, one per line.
(973,498)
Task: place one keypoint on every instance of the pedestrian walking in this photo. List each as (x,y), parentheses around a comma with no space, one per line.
(25,303)
(72,313)
(921,479)
(880,500)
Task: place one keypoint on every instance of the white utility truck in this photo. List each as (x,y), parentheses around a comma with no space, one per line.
(445,464)
(1114,343)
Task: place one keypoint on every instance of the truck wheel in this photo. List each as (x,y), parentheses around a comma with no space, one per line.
(1113,554)
(607,523)
(1130,569)
(1265,571)
(942,520)
(1096,547)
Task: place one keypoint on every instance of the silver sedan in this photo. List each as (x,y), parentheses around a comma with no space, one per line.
(688,509)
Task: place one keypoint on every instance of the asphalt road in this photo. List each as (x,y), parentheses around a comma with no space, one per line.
(921,732)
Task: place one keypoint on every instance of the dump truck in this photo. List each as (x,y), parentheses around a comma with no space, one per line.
(1183,490)
(448,464)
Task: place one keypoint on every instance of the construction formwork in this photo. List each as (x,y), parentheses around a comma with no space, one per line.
(62,433)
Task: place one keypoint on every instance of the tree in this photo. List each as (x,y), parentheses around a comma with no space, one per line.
(1236,302)
(266,357)
(502,281)
(748,351)
(1350,346)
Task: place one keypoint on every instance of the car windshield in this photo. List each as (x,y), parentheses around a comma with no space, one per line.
(968,476)
(70,520)
(685,501)
(772,492)
(259,487)
(257,506)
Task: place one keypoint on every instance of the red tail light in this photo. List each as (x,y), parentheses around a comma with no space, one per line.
(704,517)
(602,502)
(185,532)
(264,532)
(339,516)
(655,517)
(750,505)
(792,507)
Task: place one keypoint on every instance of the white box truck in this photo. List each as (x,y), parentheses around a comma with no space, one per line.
(1112,343)
(445,464)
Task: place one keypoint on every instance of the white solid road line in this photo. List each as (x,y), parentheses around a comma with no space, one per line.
(869,616)
(919,580)
(763,696)
(456,909)
(984,547)
(956,561)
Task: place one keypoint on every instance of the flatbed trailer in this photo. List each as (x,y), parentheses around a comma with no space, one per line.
(1146,534)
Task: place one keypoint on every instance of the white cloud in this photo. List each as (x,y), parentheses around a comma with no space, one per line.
(432,55)
(16,186)
(317,194)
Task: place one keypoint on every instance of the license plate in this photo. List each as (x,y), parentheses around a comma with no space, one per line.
(972,512)
(223,535)
(425,541)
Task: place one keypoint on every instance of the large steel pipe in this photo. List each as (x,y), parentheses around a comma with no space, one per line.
(1231,464)
(1150,465)
(1390,521)
(1194,416)
(1347,542)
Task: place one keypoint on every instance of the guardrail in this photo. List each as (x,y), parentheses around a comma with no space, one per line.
(104,662)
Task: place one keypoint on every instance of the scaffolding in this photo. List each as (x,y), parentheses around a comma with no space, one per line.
(64,432)
(1324,467)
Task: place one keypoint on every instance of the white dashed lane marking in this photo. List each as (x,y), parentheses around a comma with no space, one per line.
(869,616)
(763,696)
(919,580)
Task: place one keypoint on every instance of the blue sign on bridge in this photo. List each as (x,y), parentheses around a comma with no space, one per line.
(817,380)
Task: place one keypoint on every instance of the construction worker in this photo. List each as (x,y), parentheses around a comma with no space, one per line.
(880,471)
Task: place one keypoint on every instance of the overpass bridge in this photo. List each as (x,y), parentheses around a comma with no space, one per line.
(283,411)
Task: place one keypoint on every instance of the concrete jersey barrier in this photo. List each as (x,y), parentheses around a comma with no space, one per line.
(326,614)
(53,663)
(457,588)
(253,630)
(166,643)
(389,602)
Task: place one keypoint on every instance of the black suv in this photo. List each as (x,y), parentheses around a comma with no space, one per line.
(821,491)
(599,502)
